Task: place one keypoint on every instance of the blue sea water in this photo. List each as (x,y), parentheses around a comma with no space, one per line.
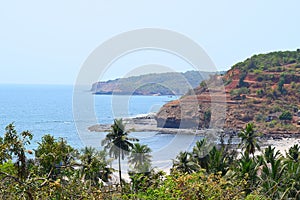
(47,109)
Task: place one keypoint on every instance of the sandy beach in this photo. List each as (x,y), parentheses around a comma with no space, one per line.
(282,144)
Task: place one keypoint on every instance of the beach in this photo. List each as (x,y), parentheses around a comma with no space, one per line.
(283,144)
(147,123)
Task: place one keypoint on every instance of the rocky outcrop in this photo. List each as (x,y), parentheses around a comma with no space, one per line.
(249,92)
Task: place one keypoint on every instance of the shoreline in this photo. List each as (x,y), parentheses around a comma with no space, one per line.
(147,123)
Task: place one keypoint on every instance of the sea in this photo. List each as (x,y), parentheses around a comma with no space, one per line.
(48,109)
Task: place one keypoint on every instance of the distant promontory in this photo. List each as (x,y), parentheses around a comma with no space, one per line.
(169,83)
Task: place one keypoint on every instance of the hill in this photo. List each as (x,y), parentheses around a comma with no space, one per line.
(170,83)
(264,89)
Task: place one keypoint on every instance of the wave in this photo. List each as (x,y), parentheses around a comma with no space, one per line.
(55,121)
(151,114)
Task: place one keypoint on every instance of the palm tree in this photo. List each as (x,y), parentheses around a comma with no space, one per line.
(200,153)
(249,141)
(247,169)
(272,172)
(140,157)
(184,163)
(294,153)
(118,143)
(94,165)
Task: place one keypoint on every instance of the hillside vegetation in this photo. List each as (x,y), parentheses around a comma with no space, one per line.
(170,83)
(264,89)
(56,170)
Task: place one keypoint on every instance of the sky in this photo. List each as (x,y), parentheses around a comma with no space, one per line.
(47,42)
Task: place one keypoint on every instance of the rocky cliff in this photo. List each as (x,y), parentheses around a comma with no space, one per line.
(264,89)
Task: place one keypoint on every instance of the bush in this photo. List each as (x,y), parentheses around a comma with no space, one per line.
(272,124)
(260,78)
(240,91)
(260,93)
(286,115)
(259,117)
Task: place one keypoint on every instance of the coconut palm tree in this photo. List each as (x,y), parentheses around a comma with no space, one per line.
(140,158)
(94,165)
(184,163)
(294,153)
(249,141)
(291,179)
(118,143)
(200,153)
(246,169)
(272,172)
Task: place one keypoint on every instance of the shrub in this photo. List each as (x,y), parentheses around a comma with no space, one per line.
(272,124)
(260,78)
(257,71)
(259,117)
(260,93)
(286,115)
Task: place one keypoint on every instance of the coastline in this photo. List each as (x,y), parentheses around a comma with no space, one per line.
(147,123)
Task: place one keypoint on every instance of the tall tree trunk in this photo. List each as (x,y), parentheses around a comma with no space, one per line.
(120,168)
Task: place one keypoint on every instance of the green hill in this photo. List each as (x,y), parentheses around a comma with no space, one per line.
(170,83)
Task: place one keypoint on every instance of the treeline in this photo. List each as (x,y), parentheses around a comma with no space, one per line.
(269,61)
(58,171)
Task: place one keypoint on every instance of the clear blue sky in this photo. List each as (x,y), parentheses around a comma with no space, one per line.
(47,42)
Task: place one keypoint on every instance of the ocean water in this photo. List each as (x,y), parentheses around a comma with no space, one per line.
(47,109)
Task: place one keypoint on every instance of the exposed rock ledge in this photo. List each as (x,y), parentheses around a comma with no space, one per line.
(148,124)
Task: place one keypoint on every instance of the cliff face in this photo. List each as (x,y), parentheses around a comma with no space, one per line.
(257,90)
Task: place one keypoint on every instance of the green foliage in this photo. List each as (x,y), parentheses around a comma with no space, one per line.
(286,115)
(260,93)
(272,123)
(260,78)
(214,159)
(259,117)
(32,179)
(246,170)
(94,165)
(13,146)
(266,61)
(52,155)
(241,80)
(8,167)
(249,139)
(118,143)
(141,182)
(192,186)
(227,82)
(169,83)
(140,158)
(184,163)
(237,92)
(208,172)
(207,118)
(280,85)
(294,153)
(272,172)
